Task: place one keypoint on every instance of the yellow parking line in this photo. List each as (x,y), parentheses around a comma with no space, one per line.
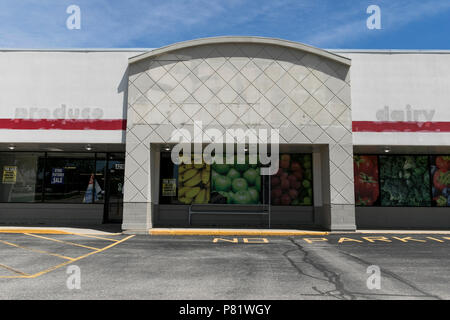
(14,270)
(79,258)
(116,242)
(61,241)
(43,231)
(36,250)
(92,236)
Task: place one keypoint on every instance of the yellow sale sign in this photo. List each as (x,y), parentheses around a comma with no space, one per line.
(9,174)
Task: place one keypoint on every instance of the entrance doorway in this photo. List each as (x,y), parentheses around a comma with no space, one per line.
(113,210)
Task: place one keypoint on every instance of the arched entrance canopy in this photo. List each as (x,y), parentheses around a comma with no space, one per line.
(247,40)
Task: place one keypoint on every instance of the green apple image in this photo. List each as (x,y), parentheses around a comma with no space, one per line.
(242,197)
(221,168)
(254,194)
(222,183)
(233,174)
(251,175)
(258,184)
(239,184)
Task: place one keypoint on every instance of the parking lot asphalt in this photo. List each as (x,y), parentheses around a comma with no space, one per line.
(336,266)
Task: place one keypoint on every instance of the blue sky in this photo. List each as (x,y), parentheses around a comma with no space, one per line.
(406,24)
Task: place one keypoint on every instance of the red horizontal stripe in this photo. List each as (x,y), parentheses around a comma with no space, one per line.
(63,124)
(400,126)
(120,124)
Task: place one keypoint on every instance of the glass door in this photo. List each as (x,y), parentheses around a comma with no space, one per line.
(114,188)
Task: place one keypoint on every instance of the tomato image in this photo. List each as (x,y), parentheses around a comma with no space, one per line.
(293,193)
(443,163)
(292,184)
(298,174)
(275,181)
(366,179)
(284,164)
(295,166)
(367,187)
(285,199)
(285,157)
(292,179)
(366,164)
(441,179)
(285,184)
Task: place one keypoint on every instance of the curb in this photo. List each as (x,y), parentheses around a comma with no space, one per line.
(221,232)
(56,231)
(35,231)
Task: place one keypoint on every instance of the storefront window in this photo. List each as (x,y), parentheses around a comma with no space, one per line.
(21,179)
(367,188)
(168,180)
(292,184)
(440,174)
(239,184)
(69,178)
(215,184)
(236,183)
(59,177)
(405,181)
(194,185)
(100,167)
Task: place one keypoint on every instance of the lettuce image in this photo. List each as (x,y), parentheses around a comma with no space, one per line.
(404,181)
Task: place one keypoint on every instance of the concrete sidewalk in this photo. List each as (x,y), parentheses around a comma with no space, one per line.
(56,230)
(102,230)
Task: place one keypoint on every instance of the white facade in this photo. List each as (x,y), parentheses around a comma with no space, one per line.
(331,103)
(41,84)
(401,86)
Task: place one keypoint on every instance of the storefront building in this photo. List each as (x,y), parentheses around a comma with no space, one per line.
(362,137)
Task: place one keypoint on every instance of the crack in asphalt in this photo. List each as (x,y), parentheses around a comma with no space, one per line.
(394,276)
(334,279)
(330,277)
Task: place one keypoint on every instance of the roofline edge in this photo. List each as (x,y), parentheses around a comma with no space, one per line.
(241,39)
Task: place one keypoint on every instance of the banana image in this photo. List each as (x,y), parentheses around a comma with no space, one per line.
(182,168)
(188,174)
(200,198)
(194,183)
(186,200)
(182,191)
(192,192)
(205,176)
(194,180)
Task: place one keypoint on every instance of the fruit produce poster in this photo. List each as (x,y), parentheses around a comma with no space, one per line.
(236,183)
(292,184)
(367,188)
(440,177)
(9,174)
(194,185)
(169,187)
(404,181)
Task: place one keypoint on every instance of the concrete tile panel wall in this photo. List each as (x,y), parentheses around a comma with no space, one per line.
(305,96)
